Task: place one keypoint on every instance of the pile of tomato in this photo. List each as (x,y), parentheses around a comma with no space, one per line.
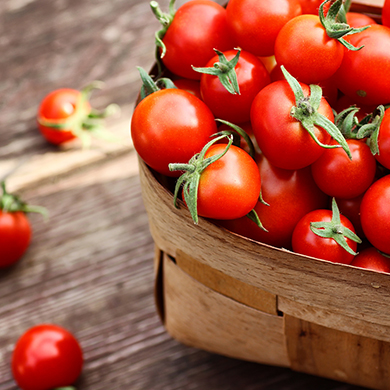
(272,118)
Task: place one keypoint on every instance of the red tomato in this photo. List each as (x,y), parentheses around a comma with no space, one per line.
(57,107)
(357,19)
(371,258)
(45,357)
(364,75)
(386,13)
(375,214)
(305,242)
(384,141)
(339,176)
(306,51)
(198,27)
(15,236)
(252,76)
(282,138)
(230,187)
(351,209)
(254,24)
(290,195)
(312,6)
(170,126)
(191,86)
(345,102)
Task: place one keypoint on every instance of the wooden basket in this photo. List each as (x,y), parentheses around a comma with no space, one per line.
(221,292)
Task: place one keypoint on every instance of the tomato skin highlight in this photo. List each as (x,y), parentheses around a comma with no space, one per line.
(375,214)
(339,176)
(230,187)
(290,195)
(15,237)
(282,138)
(59,104)
(45,357)
(364,75)
(170,126)
(252,76)
(304,48)
(198,27)
(254,24)
(371,258)
(305,242)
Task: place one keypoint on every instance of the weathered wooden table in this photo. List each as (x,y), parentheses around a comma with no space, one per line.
(90,266)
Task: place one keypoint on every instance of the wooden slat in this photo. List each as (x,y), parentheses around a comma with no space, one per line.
(357,293)
(338,355)
(224,284)
(200,317)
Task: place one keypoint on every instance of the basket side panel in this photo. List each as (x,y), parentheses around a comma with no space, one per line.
(200,317)
(333,354)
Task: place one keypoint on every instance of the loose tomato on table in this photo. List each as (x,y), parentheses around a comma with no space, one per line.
(170,126)
(15,228)
(190,34)
(249,77)
(327,235)
(65,114)
(287,196)
(254,24)
(46,357)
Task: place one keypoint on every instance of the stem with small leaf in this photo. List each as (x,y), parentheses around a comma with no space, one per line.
(306,112)
(335,230)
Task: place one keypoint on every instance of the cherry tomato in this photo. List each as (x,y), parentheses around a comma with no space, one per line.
(306,50)
(15,236)
(364,75)
(45,357)
(252,76)
(305,242)
(189,85)
(230,187)
(254,24)
(59,106)
(386,13)
(375,214)
(339,176)
(282,138)
(170,126)
(198,27)
(371,258)
(357,19)
(290,195)
(384,141)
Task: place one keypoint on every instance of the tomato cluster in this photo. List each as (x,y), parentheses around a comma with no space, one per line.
(302,89)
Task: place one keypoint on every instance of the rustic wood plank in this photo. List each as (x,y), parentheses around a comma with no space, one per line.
(201,317)
(338,355)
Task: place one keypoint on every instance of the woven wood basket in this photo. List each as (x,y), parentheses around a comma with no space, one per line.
(227,294)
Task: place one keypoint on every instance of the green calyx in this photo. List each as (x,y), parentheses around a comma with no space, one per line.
(335,230)
(335,23)
(85,122)
(150,86)
(10,203)
(368,128)
(189,180)
(225,71)
(306,112)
